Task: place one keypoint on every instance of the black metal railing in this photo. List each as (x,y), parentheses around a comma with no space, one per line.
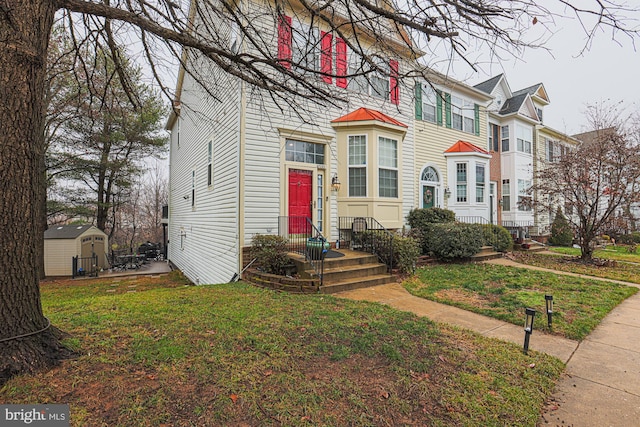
(84,266)
(519,229)
(366,234)
(490,233)
(304,238)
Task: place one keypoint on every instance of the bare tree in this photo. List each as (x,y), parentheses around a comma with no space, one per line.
(595,183)
(161,26)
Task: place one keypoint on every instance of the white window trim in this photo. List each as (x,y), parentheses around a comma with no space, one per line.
(390,168)
(466,182)
(365,166)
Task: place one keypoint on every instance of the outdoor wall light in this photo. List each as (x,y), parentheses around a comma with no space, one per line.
(548,299)
(335,183)
(528,327)
(447,192)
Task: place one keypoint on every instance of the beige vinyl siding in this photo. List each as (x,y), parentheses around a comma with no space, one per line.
(58,256)
(432,140)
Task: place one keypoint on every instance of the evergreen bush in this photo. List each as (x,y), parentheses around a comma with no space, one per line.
(455,240)
(421,220)
(498,237)
(561,232)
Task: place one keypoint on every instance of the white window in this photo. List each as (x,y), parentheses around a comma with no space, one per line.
(234,36)
(462,114)
(193,188)
(368,79)
(524,199)
(380,81)
(504,134)
(305,47)
(210,163)
(553,150)
(506,195)
(480,182)
(387,167)
(357,166)
(524,136)
(304,152)
(429,103)
(461,182)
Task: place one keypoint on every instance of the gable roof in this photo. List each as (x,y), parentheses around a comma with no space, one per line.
(68,231)
(536,91)
(489,85)
(366,114)
(465,147)
(513,104)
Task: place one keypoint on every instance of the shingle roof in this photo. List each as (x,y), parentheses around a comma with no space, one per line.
(66,231)
(513,104)
(531,90)
(489,85)
(364,114)
(465,147)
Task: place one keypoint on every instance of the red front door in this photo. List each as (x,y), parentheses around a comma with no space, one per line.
(300,189)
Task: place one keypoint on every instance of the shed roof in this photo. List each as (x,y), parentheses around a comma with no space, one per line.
(68,231)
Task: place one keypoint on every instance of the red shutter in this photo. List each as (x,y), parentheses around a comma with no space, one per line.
(284,40)
(326,65)
(394,89)
(341,63)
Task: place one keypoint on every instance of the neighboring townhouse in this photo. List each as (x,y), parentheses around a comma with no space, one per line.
(240,165)
(520,143)
(451,165)
(551,146)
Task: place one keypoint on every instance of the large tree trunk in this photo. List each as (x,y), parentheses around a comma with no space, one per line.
(24,33)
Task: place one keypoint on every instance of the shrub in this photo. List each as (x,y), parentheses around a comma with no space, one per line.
(498,237)
(561,232)
(421,220)
(406,249)
(456,240)
(270,252)
(417,218)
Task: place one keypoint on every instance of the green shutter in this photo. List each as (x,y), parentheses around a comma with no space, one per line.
(439,107)
(418,96)
(476,111)
(447,109)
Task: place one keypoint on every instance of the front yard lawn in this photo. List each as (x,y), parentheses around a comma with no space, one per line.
(624,271)
(156,352)
(618,253)
(504,292)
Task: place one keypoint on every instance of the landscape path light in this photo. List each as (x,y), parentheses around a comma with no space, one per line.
(548,299)
(530,313)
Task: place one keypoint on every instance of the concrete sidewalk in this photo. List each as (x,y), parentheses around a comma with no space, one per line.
(601,383)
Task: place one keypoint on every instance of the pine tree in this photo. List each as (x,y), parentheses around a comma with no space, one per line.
(561,232)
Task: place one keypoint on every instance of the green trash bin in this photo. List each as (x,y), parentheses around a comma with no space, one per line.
(317,248)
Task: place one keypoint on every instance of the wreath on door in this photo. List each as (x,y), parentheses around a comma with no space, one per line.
(427,195)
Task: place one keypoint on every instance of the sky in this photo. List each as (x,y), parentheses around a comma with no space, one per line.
(608,72)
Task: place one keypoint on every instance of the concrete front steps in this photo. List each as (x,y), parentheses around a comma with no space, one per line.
(486,253)
(530,246)
(355,270)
